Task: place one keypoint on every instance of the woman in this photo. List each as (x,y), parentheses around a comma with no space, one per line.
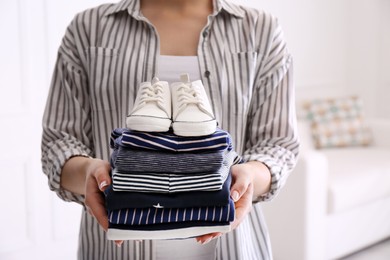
(239,54)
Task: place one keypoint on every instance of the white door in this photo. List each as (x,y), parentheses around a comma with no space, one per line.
(35,223)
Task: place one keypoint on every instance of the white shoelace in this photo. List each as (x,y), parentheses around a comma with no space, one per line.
(189,95)
(153,93)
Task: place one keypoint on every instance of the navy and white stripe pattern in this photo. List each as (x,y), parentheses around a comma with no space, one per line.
(129,177)
(119,200)
(131,160)
(174,227)
(177,230)
(176,180)
(151,216)
(169,142)
(167,182)
(246,69)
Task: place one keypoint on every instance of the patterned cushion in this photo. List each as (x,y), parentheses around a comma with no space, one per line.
(337,122)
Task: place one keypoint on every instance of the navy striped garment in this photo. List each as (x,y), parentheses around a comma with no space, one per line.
(218,141)
(178,230)
(174,227)
(132,160)
(167,183)
(172,182)
(154,215)
(119,200)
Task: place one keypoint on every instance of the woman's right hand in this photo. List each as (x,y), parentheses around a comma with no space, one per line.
(89,177)
(97,179)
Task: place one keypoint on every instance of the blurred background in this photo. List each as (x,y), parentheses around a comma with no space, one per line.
(340,47)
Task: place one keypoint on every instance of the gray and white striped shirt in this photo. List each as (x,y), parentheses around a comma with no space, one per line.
(246,69)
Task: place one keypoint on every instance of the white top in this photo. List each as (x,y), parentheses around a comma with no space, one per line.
(189,249)
(171,67)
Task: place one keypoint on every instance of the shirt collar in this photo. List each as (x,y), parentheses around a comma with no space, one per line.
(133,7)
(230,8)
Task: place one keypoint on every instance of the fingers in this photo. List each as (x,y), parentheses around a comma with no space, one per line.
(101,171)
(243,206)
(204,239)
(118,243)
(241,181)
(97,180)
(94,201)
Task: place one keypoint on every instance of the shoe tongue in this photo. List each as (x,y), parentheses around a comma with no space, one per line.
(185,78)
(155,80)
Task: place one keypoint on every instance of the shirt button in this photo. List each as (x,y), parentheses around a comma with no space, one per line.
(207,73)
(205,33)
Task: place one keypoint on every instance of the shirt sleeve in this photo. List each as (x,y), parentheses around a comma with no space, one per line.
(66,120)
(272,130)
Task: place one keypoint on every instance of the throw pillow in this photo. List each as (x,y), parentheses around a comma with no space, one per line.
(337,122)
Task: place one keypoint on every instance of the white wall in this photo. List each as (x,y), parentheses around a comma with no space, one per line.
(315,33)
(368,53)
(383,91)
(339,47)
(35,223)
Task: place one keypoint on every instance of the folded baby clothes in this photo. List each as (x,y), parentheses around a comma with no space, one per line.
(169,142)
(121,200)
(165,183)
(158,215)
(172,182)
(132,160)
(168,187)
(178,230)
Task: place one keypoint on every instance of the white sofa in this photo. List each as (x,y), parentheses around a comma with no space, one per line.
(335,202)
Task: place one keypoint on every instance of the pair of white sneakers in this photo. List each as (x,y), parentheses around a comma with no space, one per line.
(183,105)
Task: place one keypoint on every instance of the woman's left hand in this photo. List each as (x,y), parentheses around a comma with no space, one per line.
(241,192)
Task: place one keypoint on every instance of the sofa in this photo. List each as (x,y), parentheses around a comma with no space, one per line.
(336,201)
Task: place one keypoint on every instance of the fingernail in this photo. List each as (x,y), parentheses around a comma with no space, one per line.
(102,185)
(235,195)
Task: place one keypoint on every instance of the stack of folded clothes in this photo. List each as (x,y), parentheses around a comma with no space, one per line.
(166,186)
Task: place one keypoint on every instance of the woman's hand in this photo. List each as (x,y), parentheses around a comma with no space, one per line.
(97,180)
(89,177)
(249,180)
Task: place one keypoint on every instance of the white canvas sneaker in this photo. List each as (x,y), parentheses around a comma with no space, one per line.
(192,112)
(152,108)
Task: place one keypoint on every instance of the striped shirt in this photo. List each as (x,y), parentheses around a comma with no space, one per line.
(151,216)
(169,142)
(168,231)
(192,172)
(118,200)
(131,160)
(107,51)
(168,183)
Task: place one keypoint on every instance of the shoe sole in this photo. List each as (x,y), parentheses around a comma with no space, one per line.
(148,124)
(194,128)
